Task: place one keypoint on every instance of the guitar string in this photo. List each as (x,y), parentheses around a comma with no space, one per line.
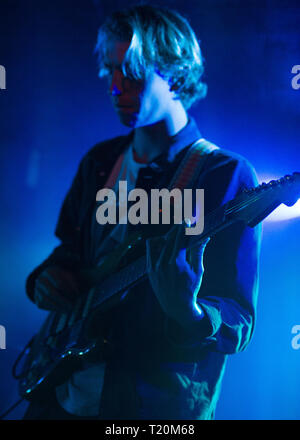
(241,205)
(265,189)
(212,219)
(214,216)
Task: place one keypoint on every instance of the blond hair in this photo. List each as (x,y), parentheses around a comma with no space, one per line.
(160,39)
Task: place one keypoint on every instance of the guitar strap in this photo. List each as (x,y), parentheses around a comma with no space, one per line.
(188,170)
(192,164)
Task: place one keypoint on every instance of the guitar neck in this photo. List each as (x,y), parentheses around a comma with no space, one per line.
(251,206)
(120,281)
(136,271)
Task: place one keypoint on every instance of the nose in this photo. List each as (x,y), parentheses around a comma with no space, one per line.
(116,85)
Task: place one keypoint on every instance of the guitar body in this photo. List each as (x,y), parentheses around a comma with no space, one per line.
(65,339)
(59,348)
(51,357)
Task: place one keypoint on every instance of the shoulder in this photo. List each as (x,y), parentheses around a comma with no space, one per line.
(226,163)
(225,174)
(103,154)
(106,148)
(225,157)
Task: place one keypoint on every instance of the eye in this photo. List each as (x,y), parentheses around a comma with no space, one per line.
(108,69)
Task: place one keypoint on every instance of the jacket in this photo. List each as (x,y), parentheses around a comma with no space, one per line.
(159,370)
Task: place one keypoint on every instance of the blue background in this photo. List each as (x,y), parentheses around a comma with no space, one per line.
(55,108)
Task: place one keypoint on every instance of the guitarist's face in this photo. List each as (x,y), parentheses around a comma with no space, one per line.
(137,102)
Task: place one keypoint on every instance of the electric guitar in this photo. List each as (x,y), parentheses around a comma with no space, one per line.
(67,338)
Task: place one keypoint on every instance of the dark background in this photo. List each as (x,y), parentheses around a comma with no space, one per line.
(55,108)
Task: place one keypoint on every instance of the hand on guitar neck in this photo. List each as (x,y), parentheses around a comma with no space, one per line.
(175,274)
(56,289)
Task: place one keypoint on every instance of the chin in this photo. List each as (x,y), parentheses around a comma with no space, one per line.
(129,120)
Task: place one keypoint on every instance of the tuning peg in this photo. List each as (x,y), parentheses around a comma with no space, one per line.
(273,183)
(295,175)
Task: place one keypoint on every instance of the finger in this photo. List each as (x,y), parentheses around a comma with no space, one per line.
(195,255)
(42,301)
(170,244)
(61,281)
(177,244)
(164,249)
(49,296)
(54,278)
(66,281)
(155,247)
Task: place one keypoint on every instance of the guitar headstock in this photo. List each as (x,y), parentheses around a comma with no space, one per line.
(254,204)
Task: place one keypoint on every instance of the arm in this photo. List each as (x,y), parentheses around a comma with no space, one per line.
(66,256)
(221,310)
(62,270)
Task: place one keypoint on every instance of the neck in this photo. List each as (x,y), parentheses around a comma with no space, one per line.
(151,140)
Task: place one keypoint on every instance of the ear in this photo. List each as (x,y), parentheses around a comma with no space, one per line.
(175,86)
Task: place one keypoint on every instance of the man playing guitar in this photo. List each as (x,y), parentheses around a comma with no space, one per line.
(172,333)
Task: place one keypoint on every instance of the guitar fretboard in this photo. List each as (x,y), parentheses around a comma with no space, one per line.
(122,280)
(137,270)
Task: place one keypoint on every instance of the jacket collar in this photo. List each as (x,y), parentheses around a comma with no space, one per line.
(183,139)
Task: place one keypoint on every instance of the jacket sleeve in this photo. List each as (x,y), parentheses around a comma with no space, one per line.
(67,230)
(82,192)
(228,292)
